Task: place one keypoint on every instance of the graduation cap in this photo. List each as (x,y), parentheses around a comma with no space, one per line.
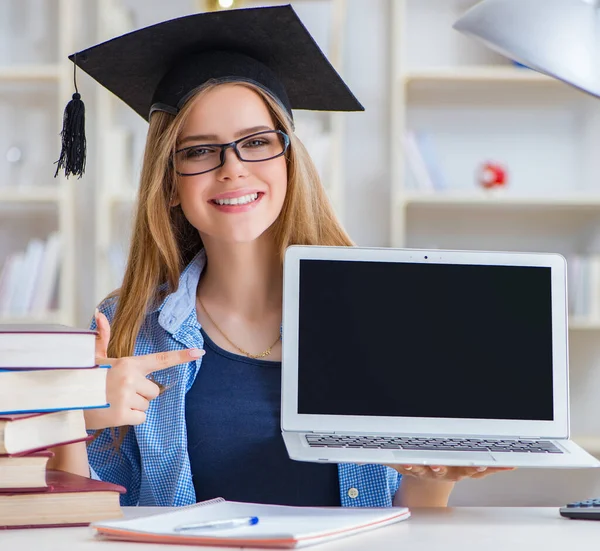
(158,68)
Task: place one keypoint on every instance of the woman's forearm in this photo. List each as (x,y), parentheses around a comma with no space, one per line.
(415,492)
(71,458)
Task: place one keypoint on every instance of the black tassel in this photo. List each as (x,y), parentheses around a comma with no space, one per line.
(73,150)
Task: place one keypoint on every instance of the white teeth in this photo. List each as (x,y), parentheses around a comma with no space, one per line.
(243,200)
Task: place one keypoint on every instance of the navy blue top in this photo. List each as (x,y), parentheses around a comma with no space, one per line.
(234,437)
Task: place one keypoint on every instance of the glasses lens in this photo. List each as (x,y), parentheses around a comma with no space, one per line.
(198,158)
(261,147)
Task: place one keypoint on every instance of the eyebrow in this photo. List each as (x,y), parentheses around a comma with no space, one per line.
(212,138)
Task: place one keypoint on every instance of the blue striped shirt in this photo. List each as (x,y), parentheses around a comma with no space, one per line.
(152,462)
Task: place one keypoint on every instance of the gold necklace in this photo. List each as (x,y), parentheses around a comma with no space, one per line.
(253,356)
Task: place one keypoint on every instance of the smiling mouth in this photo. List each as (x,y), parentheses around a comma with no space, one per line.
(238,201)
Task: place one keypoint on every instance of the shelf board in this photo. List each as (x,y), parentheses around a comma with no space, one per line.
(578,323)
(122,197)
(492,74)
(29,72)
(48,317)
(30,194)
(481,85)
(482,199)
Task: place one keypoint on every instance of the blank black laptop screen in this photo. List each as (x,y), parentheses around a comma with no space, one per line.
(425,340)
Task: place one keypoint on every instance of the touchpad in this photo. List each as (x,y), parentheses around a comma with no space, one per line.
(443,457)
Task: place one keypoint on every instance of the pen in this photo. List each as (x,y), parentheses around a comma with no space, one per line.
(218,524)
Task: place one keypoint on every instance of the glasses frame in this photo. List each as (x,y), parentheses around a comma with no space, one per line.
(233,145)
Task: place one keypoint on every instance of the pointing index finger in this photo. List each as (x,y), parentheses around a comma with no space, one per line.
(163,360)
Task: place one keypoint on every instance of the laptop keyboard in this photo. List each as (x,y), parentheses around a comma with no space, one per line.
(430,444)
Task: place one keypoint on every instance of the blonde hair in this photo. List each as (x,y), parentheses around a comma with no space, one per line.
(163,241)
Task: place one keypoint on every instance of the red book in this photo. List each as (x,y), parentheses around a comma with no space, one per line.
(69,500)
(24,473)
(22,433)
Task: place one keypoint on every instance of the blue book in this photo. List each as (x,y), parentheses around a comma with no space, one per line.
(43,390)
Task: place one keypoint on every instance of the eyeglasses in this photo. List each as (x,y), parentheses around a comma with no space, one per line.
(262,146)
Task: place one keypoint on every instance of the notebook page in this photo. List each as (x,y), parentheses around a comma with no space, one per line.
(275,521)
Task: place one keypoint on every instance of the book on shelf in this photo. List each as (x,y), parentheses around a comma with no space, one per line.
(22,433)
(69,500)
(28,279)
(25,284)
(43,292)
(46,346)
(40,390)
(583,279)
(24,473)
(424,169)
(277,526)
(11,272)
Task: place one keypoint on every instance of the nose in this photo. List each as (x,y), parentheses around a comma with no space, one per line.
(233,167)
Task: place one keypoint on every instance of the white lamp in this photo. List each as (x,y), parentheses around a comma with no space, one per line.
(560,38)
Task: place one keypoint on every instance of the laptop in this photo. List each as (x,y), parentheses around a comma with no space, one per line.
(429,357)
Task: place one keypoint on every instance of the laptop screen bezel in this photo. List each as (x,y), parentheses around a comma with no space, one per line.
(291,420)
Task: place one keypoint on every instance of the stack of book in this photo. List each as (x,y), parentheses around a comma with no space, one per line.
(48,377)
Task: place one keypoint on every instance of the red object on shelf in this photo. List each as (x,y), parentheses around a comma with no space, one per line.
(492,175)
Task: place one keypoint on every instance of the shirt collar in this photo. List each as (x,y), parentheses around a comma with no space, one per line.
(177,306)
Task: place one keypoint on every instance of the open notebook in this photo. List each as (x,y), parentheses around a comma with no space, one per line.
(277,526)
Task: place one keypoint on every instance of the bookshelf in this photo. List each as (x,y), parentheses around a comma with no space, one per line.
(35,84)
(476,106)
(476,73)
(31,73)
(583,324)
(120,135)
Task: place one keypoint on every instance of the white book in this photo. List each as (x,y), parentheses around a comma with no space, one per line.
(572,275)
(47,277)
(25,346)
(416,163)
(584,288)
(5,281)
(576,281)
(31,269)
(234,524)
(21,297)
(32,390)
(16,272)
(430,157)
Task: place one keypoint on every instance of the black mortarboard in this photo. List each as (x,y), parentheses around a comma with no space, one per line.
(159,67)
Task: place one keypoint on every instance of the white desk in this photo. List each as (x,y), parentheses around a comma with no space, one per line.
(452,529)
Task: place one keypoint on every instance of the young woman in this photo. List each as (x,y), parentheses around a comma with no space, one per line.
(193,335)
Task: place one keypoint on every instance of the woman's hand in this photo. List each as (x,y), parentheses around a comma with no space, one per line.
(448,474)
(431,486)
(128,390)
